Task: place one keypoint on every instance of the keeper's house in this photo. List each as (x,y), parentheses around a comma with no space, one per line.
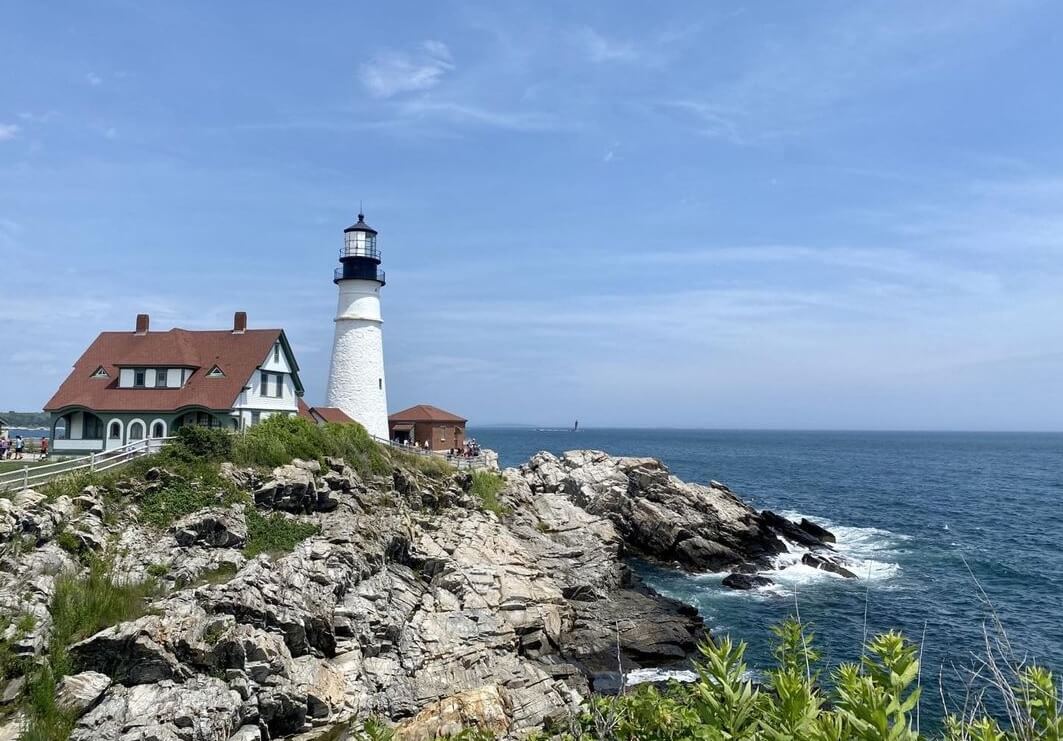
(129,386)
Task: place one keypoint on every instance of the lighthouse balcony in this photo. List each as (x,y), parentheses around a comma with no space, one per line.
(358,271)
(360,249)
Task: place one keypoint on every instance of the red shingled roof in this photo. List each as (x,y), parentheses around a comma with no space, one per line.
(331,414)
(425,413)
(237,355)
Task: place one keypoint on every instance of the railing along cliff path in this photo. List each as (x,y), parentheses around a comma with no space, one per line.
(33,475)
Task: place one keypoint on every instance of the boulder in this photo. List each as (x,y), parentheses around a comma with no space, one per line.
(817,531)
(826,564)
(745,581)
(214,527)
(199,709)
(77,693)
(790,530)
(482,708)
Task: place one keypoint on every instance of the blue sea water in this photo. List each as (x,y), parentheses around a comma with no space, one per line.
(929,519)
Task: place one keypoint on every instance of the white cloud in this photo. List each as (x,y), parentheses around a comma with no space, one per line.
(94,79)
(473,114)
(600,49)
(8,131)
(390,73)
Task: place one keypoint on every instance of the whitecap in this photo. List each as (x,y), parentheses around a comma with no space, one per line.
(641,676)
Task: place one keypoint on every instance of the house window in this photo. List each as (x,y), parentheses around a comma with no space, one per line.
(114,432)
(160,378)
(277,353)
(136,431)
(158,429)
(215,372)
(138,378)
(100,373)
(271,384)
(256,417)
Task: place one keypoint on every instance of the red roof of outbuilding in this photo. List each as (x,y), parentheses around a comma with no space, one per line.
(425,413)
(331,414)
(238,355)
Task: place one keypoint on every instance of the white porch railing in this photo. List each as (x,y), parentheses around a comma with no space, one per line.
(458,461)
(33,475)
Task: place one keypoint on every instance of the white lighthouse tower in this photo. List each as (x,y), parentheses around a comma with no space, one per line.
(356,376)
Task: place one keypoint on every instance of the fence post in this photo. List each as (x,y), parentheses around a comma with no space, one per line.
(25,477)
(92,461)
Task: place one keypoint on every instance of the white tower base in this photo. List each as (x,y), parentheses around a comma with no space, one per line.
(356,377)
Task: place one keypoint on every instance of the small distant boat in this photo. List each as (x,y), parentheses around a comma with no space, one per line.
(575,427)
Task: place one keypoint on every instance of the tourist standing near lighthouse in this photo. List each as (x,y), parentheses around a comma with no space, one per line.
(356,376)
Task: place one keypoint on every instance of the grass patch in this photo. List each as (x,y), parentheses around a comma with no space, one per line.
(177,498)
(81,606)
(280,439)
(487,485)
(274,533)
(430,465)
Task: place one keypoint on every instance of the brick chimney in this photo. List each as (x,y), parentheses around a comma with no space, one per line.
(240,322)
(142,324)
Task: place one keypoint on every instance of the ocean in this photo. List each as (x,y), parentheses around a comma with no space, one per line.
(930,520)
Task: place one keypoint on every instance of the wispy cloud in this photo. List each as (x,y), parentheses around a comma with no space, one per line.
(473,114)
(8,131)
(390,73)
(600,49)
(93,79)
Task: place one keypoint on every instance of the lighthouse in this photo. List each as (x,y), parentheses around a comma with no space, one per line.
(356,375)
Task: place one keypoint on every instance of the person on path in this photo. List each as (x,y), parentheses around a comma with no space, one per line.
(20,445)
(3,448)
(44,448)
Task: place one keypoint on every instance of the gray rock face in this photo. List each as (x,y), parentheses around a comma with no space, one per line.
(215,527)
(662,518)
(79,692)
(413,603)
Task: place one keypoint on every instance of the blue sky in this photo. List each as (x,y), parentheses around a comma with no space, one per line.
(727,214)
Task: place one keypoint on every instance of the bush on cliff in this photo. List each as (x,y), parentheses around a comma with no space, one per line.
(875,699)
(280,439)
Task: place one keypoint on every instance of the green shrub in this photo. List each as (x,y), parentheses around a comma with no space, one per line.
(274,533)
(487,485)
(201,443)
(279,439)
(874,700)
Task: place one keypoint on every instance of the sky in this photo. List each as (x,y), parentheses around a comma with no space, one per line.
(815,215)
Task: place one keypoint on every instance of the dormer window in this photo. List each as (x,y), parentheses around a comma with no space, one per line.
(138,378)
(100,372)
(215,372)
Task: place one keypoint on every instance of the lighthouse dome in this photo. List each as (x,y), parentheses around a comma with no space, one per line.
(360,226)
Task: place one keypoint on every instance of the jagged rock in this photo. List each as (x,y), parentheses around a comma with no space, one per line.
(321,683)
(77,693)
(291,488)
(789,530)
(247,733)
(412,603)
(483,708)
(826,564)
(199,709)
(661,517)
(215,527)
(12,690)
(817,531)
(745,581)
(282,709)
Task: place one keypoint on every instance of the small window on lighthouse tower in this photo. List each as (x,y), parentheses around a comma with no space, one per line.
(380,383)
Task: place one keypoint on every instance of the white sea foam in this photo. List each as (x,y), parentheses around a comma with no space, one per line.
(870,553)
(641,676)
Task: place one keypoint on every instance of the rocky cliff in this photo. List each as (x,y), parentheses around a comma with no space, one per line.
(414,602)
